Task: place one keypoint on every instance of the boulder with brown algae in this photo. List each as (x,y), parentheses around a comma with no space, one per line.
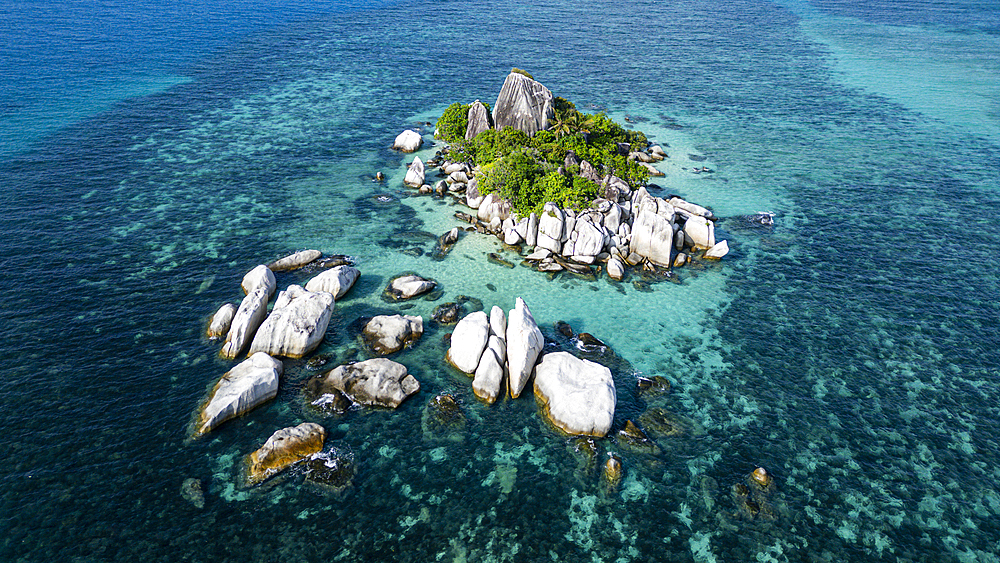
(578,396)
(294,261)
(523,104)
(252,382)
(285,448)
(377,382)
(296,325)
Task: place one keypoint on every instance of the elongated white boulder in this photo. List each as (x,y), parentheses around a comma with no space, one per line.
(294,261)
(248,317)
(337,281)
(701,231)
(250,383)
(524,344)
(468,341)
(550,228)
(690,207)
(488,380)
(221,321)
(652,232)
(378,382)
(261,276)
(297,324)
(498,323)
(415,174)
(407,141)
(285,448)
(472,196)
(531,233)
(718,251)
(387,334)
(577,395)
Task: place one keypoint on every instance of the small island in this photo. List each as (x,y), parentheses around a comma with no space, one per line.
(573,186)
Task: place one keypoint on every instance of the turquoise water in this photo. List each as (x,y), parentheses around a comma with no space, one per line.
(850,349)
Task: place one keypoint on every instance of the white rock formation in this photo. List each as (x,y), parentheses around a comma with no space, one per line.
(524,344)
(221,321)
(294,261)
(590,239)
(718,251)
(296,325)
(493,206)
(523,104)
(577,395)
(488,380)
(701,231)
(550,228)
(690,207)
(415,174)
(257,277)
(338,281)
(378,382)
(285,448)
(249,315)
(498,323)
(407,287)
(250,383)
(468,341)
(652,231)
(407,141)
(387,334)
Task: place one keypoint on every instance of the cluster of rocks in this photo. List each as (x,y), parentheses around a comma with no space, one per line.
(576,395)
(295,326)
(623,228)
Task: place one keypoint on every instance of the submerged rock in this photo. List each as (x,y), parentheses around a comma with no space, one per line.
(294,261)
(443,419)
(250,383)
(387,334)
(296,325)
(378,382)
(577,396)
(653,385)
(635,439)
(613,470)
(524,344)
(191,491)
(221,321)
(334,470)
(448,313)
(327,399)
(408,287)
(337,281)
(285,448)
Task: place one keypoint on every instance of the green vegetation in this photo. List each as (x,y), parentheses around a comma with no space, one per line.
(522,72)
(523,169)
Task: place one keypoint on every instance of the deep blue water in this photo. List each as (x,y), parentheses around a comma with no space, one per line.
(152,154)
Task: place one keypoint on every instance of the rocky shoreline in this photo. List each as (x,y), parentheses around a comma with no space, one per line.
(622,229)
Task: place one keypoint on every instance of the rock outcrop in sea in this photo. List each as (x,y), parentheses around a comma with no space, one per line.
(285,448)
(578,396)
(378,382)
(252,382)
(387,334)
(296,325)
(524,104)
